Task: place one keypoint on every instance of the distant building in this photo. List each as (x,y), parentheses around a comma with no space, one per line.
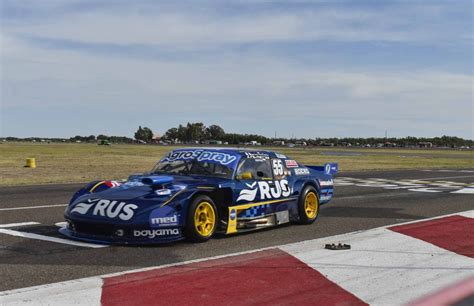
(212,142)
(426,144)
(156,138)
(389,144)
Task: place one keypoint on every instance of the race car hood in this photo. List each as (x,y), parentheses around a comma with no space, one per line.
(134,198)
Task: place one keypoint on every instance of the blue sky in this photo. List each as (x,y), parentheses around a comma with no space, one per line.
(308,69)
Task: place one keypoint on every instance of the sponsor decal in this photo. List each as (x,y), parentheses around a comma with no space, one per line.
(301,171)
(326,183)
(163,192)
(277,167)
(156,232)
(112,184)
(165,216)
(83,208)
(325,198)
(266,190)
(248,194)
(132,184)
(164,221)
(331,168)
(233,214)
(278,155)
(202,155)
(290,163)
(106,208)
(258,156)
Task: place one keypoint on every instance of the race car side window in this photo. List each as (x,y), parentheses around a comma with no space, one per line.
(279,169)
(253,169)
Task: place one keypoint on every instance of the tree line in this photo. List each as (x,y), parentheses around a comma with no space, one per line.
(444,141)
(77,138)
(194,132)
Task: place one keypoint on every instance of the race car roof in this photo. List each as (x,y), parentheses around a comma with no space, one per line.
(225,156)
(229,150)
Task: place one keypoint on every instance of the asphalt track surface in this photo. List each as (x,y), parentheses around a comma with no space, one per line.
(360,203)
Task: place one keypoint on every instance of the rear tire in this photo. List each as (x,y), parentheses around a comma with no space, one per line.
(308,205)
(201,222)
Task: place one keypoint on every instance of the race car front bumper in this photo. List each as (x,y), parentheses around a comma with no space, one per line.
(114,234)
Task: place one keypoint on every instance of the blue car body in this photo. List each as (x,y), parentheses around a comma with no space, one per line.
(251,190)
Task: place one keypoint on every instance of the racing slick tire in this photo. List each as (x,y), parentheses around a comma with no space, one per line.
(202,219)
(308,205)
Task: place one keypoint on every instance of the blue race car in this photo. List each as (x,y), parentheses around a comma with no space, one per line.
(194,193)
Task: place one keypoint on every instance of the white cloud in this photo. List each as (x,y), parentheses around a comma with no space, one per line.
(241,90)
(268,78)
(183,28)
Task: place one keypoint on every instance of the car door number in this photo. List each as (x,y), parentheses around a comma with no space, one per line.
(277,167)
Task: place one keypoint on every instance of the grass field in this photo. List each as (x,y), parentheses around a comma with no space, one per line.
(67,163)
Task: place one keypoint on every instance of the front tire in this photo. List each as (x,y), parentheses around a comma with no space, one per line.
(201,220)
(308,205)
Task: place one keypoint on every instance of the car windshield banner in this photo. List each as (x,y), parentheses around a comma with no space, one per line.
(228,158)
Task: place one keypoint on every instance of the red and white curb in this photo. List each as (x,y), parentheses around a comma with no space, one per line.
(418,263)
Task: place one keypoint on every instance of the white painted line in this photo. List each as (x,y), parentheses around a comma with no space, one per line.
(379,195)
(381,179)
(450,182)
(444,170)
(18,224)
(77,292)
(467,214)
(467,190)
(376,185)
(446,177)
(341,184)
(429,189)
(60,224)
(32,207)
(50,239)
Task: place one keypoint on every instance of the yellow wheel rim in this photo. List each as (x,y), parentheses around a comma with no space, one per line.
(311,205)
(204,219)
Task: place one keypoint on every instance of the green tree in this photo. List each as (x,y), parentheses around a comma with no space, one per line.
(215,132)
(181,133)
(172,134)
(195,131)
(144,134)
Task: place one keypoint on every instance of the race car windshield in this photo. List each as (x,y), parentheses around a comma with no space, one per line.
(192,167)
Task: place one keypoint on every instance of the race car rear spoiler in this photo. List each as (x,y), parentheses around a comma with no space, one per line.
(329,168)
